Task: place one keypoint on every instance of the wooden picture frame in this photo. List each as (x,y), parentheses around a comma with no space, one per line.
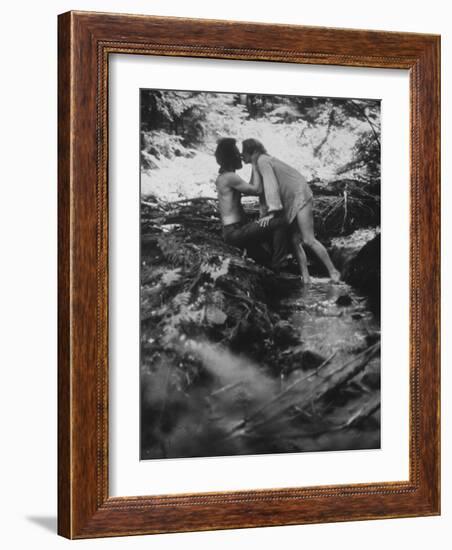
(86,40)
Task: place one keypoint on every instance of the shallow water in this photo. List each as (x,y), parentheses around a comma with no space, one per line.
(331,317)
(334,319)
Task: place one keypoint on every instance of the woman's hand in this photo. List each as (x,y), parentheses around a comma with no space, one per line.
(263,222)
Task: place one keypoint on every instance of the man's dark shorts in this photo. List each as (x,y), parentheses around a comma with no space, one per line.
(267,245)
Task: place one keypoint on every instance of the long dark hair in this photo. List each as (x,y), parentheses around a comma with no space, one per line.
(228,155)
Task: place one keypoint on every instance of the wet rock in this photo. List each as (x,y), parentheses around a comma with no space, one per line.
(304,360)
(363,272)
(344,300)
(344,249)
(248,333)
(311,360)
(285,335)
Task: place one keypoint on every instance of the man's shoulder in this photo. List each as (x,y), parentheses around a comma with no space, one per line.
(226,179)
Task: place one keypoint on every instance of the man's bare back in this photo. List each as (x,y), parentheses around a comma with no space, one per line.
(230,187)
(231,210)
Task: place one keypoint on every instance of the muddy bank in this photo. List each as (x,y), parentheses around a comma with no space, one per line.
(236,360)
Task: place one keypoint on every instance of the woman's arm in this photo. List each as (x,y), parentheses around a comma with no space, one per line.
(270,184)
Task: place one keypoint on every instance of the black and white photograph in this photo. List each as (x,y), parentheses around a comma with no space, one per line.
(260,273)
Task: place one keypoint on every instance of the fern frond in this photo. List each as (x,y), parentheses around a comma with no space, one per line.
(172,276)
(182,299)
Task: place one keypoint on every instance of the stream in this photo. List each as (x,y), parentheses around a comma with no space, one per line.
(331,317)
(335,320)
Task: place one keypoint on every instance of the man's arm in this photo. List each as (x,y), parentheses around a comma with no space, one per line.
(253,187)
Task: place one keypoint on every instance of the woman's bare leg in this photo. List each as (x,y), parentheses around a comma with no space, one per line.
(305,220)
(301,256)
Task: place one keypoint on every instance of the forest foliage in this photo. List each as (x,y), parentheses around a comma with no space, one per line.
(325,138)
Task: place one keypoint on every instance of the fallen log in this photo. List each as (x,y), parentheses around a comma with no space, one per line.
(318,385)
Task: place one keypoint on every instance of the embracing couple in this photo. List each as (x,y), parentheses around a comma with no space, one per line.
(285,207)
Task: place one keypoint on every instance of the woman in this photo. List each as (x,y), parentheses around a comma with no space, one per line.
(286,188)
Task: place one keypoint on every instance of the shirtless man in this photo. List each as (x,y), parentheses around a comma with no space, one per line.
(237,230)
